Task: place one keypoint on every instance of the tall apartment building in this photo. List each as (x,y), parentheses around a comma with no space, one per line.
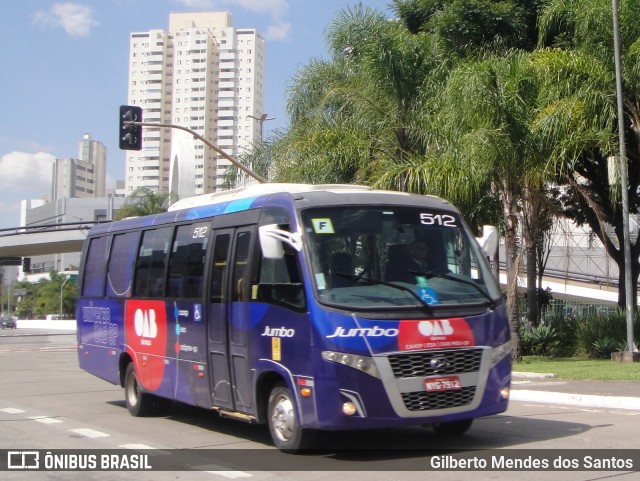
(203,74)
(82,177)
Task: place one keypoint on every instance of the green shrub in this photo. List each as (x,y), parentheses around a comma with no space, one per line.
(594,329)
(563,334)
(602,348)
(525,341)
(565,327)
(540,341)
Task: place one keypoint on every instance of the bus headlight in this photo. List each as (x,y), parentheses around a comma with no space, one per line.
(499,352)
(361,363)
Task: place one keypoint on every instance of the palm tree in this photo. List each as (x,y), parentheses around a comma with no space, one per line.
(143,201)
(482,143)
(579,124)
(359,110)
(388,93)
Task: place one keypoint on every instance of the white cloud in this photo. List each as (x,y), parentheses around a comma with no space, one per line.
(279,31)
(76,19)
(197,4)
(26,174)
(277,9)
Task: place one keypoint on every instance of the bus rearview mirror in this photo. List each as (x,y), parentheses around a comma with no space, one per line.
(272,237)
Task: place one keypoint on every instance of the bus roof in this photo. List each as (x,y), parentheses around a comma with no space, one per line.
(238,200)
(261,189)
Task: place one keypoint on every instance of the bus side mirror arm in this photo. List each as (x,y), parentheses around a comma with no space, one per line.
(272,237)
(489,240)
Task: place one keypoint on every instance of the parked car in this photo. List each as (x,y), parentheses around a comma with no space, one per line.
(8,323)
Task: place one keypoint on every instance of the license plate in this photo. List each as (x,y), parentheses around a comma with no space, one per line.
(444,383)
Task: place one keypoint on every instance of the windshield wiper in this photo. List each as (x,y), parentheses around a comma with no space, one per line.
(373,281)
(446,275)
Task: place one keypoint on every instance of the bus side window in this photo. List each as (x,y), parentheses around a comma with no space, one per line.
(120,269)
(186,266)
(220,264)
(280,281)
(95,267)
(152,257)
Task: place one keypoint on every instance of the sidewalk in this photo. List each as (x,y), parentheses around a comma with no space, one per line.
(539,388)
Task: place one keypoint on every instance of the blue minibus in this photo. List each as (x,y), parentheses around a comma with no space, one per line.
(303,307)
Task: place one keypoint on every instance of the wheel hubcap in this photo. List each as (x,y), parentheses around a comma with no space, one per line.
(283,418)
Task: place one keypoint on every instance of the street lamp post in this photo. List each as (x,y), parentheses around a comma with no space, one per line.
(62,287)
(623,181)
(262,119)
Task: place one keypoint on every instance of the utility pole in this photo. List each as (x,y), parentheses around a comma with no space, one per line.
(623,184)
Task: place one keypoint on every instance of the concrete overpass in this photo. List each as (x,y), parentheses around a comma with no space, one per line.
(43,240)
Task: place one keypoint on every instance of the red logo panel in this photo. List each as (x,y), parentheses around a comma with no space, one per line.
(436,334)
(146,334)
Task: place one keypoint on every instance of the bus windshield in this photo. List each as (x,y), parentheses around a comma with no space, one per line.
(395,256)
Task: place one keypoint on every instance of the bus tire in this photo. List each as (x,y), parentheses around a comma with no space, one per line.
(138,402)
(452,428)
(284,427)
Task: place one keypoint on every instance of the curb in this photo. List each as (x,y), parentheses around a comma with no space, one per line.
(576,400)
(60,324)
(625,403)
(532,375)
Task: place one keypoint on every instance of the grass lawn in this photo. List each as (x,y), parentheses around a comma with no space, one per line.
(585,369)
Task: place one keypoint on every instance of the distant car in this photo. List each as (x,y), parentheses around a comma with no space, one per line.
(8,323)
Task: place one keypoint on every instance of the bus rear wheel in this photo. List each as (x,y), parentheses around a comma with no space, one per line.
(286,433)
(138,402)
(452,428)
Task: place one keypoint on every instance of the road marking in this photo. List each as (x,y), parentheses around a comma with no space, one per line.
(231,474)
(11,410)
(135,446)
(45,419)
(32,349)
(89,433)
(577,400)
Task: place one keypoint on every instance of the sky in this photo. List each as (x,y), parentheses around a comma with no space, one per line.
(64,73)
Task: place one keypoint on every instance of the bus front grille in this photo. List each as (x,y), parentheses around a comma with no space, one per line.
(424,401)
(437,362)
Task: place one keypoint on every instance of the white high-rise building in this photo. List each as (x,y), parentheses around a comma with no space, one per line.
(82,177)
(202,74)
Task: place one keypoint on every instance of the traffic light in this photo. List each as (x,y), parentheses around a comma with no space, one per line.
(130,135)
(26,265)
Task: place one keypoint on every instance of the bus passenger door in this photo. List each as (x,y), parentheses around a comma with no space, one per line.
(228,322)
(217,321)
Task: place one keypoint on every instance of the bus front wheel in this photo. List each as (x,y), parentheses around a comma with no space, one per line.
(284,427)
(138,402)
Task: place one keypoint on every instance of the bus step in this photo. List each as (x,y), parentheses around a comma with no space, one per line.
(236,415)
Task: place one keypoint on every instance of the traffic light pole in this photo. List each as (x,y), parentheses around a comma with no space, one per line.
(234,161)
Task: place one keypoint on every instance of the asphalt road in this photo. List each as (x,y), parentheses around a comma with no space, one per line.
(48,403)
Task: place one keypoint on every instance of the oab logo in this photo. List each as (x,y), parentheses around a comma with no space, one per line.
(144,323)
(435,334)
(146,334)
(435,328)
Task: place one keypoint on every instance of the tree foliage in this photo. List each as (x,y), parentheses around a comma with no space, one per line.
(143,201)
(578,117)
(56,295)
(466,25)
(506,108)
